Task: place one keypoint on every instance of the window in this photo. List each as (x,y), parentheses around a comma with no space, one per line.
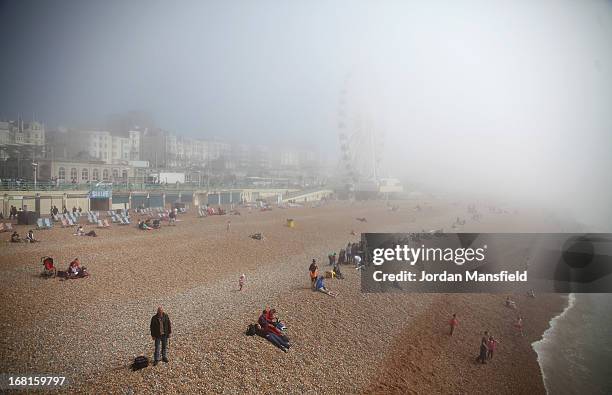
(61,173)
(115,174)
(85,174)
(124,174)
(73,174)
(96,175)
(105,174)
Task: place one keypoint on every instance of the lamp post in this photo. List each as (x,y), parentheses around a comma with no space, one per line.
(35,167)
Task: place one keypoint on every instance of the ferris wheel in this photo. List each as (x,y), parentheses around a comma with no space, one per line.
(361,142)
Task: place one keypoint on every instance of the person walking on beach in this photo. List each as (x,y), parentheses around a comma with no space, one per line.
(519,325)
(453,323)
(333,259)
(314,273)
(229,223)
(241,281)
(349,253)
(160,332)
(484,348)
(492,346)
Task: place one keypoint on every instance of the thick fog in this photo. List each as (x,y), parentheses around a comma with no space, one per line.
(503,98)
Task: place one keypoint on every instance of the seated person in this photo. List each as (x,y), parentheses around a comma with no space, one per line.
(272,318)
(320,286)
(143,226)
(75,269)
(30,237)
(156,224)
(15,238)
(278,341)
(80,231)
(49,267)
(337,272)
(267,325)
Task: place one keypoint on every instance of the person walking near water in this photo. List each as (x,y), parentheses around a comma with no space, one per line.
(519,325)
(484,348)
(492,346)
(453,323)
(160,332)
(241,281)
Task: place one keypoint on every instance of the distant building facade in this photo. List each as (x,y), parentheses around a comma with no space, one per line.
(21,144)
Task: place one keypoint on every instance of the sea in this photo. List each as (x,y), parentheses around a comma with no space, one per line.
(575,353)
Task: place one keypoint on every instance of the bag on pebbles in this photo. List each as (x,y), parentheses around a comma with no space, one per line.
(140,362)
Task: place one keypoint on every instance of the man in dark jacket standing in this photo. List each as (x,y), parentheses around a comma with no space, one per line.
(160,332)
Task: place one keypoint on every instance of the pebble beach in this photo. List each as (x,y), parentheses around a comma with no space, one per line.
(90,329)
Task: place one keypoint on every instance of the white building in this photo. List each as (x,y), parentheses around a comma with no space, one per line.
(135,137)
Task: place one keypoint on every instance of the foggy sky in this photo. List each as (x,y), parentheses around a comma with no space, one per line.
(512,98)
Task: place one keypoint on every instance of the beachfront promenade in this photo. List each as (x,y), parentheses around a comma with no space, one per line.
(43,196)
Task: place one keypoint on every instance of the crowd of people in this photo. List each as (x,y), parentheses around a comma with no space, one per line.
(55,211)
(349,255)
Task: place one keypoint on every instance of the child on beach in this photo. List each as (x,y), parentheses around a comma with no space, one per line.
(492,346)
(519,325)
(241,281)
(453,323)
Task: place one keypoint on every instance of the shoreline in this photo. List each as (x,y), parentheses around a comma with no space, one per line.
(571,301)
(428,360)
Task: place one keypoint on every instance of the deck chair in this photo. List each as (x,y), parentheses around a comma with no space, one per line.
(8,226)
(65,223)
(100,224)
(126,220)
(106,224)
(48,223)
(2,228)
(40,224)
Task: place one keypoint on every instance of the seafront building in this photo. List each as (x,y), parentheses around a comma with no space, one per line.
(75,156)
